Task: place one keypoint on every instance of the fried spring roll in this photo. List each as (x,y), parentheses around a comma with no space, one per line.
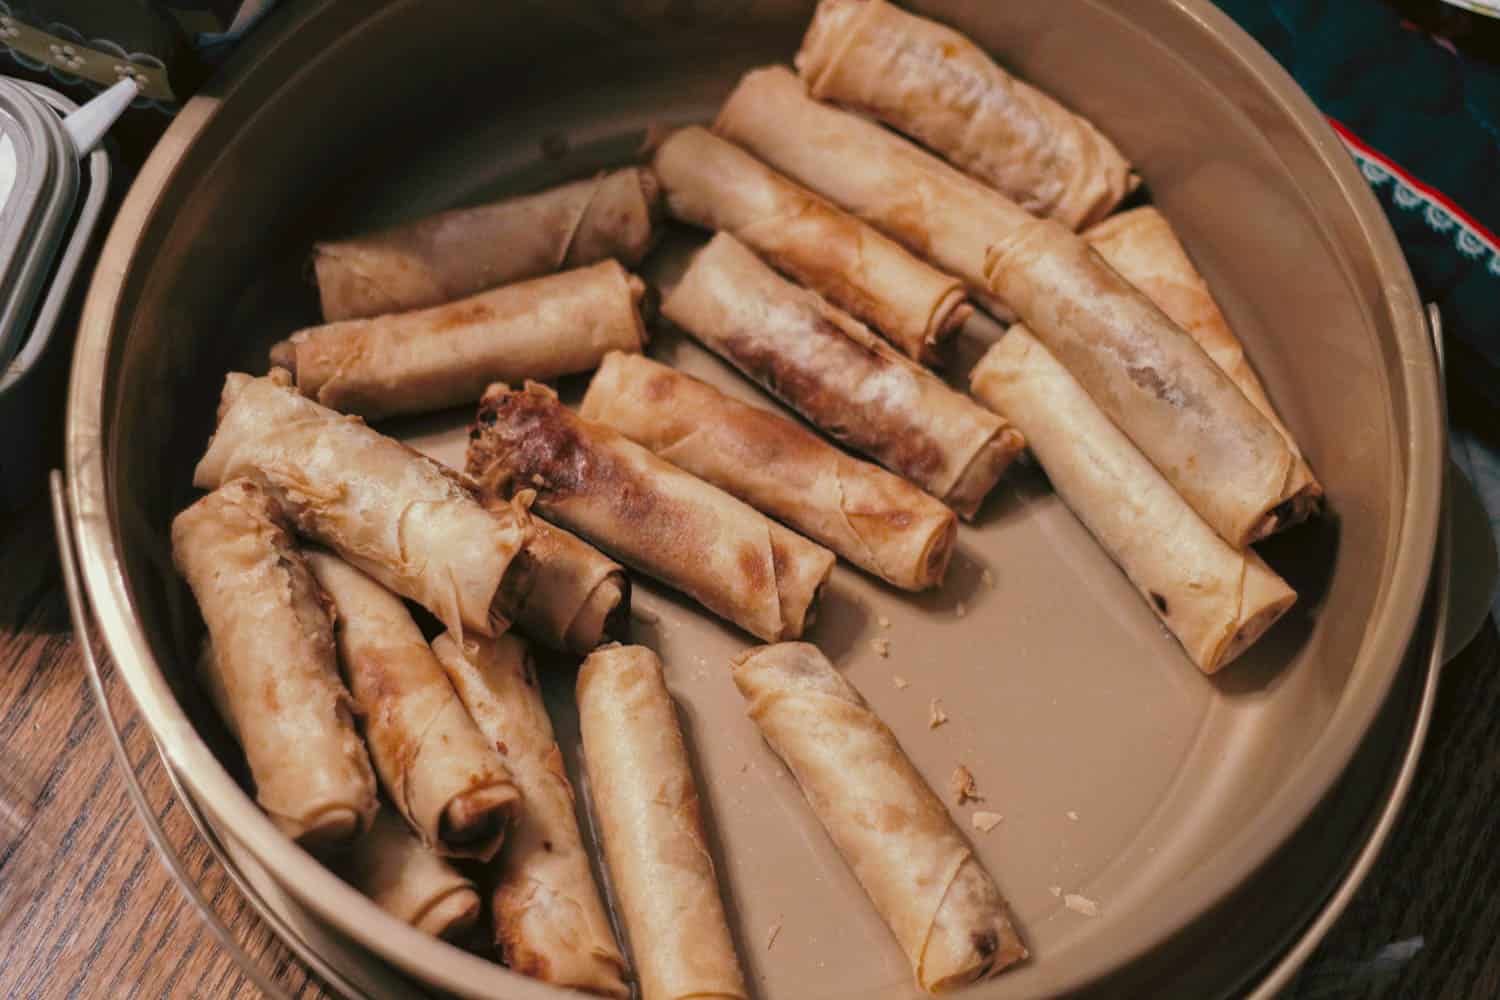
(411,523)
(415,362)
(922,876)
(457,253)
(1215,599)
(549,922)
(876,520)
(714,184)
(652,829)
(444,777)
(830,368)
(408,881)
(1142,247)
(271,668)
(563,592)
(932,83)
(649,514)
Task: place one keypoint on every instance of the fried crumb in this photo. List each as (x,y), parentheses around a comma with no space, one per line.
(745,767)
(984,822)
(961,609)
(963,786)
(881,646)
(935,714)
(1072,815)
(901,682)
(644,615)
(1056,890)
(771,935)
(988,578)
(883,621)
(1081,904)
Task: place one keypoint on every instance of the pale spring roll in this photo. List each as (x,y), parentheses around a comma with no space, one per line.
(651,827)
(830,368)
(443,776)
(876,520)
(408,881)
(934,84)
(411,523)
(1142,247)
(922,876)
(272,670)
(457,253)
(649,514)
(429,359)
(549,922)
(563,592)
(715,184)
(1215,599)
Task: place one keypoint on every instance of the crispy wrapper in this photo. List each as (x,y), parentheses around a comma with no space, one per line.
(444,777)
(548,919)
(1217,600)
(876,520)
(830,368)
(405,879)
(651,827)
(649,514)
(1142,247)
(457,253)
(270,666)
(932,83)
(715,184)
(918,870)
(433,358)
(411,523)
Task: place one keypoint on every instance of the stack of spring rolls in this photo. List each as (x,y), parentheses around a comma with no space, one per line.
(843,261)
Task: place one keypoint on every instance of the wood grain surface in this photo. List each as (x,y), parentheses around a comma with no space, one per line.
(87,910)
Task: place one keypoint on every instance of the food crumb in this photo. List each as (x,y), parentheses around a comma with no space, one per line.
(744,767)
(1072,815)
(988,578)
(881,646)
(1081,904)
(984,822)
(1056,890)
(771,937)
(644,615)
(961,609)
(901,682)
(963,786)
(935,714)
(883,621)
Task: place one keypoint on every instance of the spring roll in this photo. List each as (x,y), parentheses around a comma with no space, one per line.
(563,592)
(457,253)
(548,919)
(443,776)
(647,513)
(876,520)
(408,881)
(272,670)
(828,367)
(1142,247)
(411,523)
(714,184)
(1217,600)
(433,358)
(652,829)
(935,85)
(922,876)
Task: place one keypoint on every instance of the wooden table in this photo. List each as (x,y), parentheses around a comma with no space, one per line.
(86,909)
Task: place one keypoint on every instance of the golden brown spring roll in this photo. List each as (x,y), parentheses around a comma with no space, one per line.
(1142,247)
(830,368)
(415,362)
(1215,599)
(549,922)
(563,592)
(443,776)
(651,829)
(932,83)
(411,523)
(918,870)
(649,514)
(457,253)
(715,184)
(876,520)
(273,671)
(408,881)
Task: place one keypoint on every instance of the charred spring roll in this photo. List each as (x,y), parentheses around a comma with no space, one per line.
(444,777)
(271,667)
(1142,247)
(922,876)
(830,368)
(563,592)
(408,881)
(714,184)
(411,523)
(930,82)
(415,362)
(1217,600)
(876,520)
(549,922)
(649,514)
(457,253)
(651,829)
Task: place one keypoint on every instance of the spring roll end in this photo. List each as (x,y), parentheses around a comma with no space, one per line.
(450,914)
(984,471)
(474,823)
(1250,630)
(603,617)
(328,831)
